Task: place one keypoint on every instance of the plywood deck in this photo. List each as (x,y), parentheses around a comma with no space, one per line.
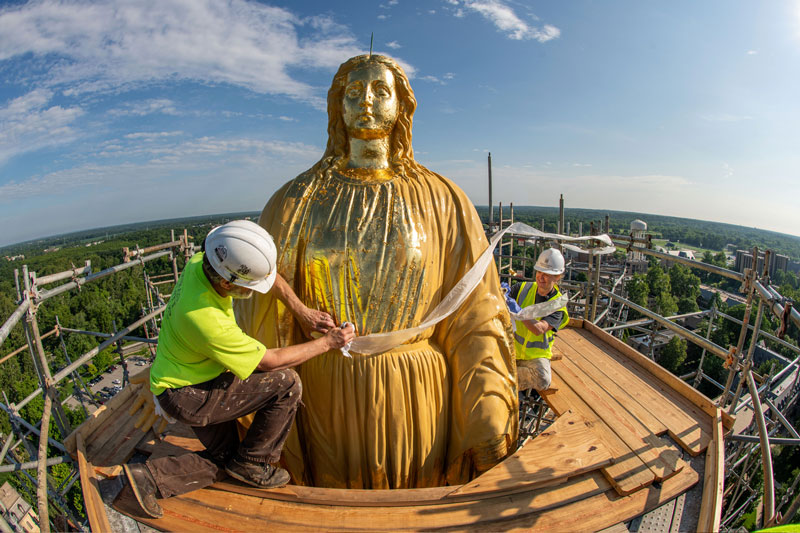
(619,448)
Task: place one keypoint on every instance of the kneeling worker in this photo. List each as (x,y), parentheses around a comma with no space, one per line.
(533,339)
(208,372)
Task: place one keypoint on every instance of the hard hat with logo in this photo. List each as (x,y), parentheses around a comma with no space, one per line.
(550,262)
(243,253)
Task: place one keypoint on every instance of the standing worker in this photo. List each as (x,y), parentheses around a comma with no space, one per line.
(208,372)
(533,339)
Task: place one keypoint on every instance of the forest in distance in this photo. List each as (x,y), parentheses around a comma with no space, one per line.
(701,233)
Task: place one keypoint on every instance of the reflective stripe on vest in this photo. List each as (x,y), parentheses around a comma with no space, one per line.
(542,345)
(538,345)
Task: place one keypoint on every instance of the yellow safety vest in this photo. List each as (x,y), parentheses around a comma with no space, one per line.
(528,344)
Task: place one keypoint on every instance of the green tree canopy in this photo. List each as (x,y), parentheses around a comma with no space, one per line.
(674,354)
(683,283)
(658,281)
(638,289)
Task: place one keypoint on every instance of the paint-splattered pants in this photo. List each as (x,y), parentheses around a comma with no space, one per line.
(533,374)
(211,409)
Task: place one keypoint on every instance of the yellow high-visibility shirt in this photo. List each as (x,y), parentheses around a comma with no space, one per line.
(199,338)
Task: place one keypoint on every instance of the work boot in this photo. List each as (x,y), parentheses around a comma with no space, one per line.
(261,475)
(144,488)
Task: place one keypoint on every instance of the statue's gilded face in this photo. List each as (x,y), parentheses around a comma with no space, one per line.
(370,102)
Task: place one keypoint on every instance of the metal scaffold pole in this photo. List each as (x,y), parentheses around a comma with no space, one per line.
(52,508)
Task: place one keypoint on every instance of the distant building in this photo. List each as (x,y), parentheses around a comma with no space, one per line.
(743,259)
(686,254)
(19,257)
(642,342)
(16,511)
(780,262)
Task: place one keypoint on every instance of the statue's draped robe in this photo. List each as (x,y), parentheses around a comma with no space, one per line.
(382,254)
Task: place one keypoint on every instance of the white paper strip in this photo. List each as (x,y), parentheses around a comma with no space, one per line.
(541,310)
(382,342)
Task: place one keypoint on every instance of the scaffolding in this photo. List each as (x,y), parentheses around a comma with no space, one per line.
(31,439)
(599,298)
(761,424)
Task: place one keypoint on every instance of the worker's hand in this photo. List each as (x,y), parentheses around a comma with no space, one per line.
(144,400)
(313,320)
(538,327)
(340,337)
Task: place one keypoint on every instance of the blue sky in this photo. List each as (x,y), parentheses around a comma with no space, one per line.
(132,110)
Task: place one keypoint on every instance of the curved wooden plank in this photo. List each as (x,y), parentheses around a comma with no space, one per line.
(95,509)
(713,481)
(214,510)
(587,503)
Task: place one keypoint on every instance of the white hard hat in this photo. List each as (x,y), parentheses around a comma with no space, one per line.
(551,261)
(243,253)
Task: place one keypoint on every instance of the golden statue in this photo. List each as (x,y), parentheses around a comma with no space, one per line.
(374,238)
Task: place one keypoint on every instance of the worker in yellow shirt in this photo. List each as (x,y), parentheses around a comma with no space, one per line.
(208,372)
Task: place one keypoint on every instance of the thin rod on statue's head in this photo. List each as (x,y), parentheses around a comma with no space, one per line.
(371,37)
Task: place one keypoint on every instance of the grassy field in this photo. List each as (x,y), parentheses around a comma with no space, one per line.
(698,252)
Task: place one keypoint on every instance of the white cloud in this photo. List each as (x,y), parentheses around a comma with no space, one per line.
(394,45)
(147,107)
(382,17)
(148,136)
(441,80)
(727,170)
(507,21)
(752,52)
(287,119)
(144,156)
(432,79)
(28,124)
(105,45)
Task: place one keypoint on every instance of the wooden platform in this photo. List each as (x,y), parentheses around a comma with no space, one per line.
(619,448)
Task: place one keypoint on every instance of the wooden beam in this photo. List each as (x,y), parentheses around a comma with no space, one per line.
(713,481)
(667,377)
(628,473)
(102,415)
(95,509)
(689,427)
(657,454)
(566,449)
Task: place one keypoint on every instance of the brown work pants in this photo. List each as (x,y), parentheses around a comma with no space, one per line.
(211,409)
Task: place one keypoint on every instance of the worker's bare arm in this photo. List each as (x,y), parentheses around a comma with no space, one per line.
(537,326)
(281,358)
(309,319)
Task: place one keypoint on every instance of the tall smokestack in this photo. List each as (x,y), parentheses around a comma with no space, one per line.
(491,205)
